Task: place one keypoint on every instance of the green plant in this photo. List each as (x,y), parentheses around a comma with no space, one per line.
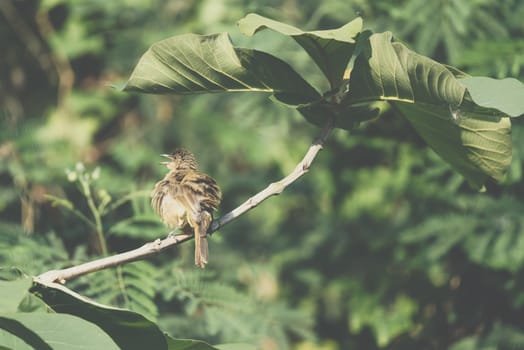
(450,110)
(369,76)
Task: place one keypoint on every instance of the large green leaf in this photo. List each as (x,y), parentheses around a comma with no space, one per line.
(235,346)
(187,344)
(476,145)
(10,341)
(474,140)
(505,95)
(128,329)
(14,332)
(56,331)
(190,63)
(389,71)
(12,293)
(330,49)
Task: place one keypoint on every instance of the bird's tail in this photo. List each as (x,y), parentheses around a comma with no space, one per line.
(201,248)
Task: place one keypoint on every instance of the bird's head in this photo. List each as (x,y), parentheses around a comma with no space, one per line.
(181,159)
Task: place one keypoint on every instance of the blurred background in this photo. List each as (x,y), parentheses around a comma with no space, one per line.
(380,246)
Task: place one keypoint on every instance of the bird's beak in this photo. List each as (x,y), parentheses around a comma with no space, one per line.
(166,156)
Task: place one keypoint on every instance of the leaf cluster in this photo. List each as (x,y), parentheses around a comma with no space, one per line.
(381,243)
(36,315)
(463,118)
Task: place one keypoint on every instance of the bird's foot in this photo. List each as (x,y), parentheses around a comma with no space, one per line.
(171,234)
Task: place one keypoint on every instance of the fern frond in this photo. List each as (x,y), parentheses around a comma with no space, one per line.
(133,286)
(490,231)
(502,337)
(32,254)
(223,311)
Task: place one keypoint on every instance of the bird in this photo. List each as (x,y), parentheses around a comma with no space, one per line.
(186,198)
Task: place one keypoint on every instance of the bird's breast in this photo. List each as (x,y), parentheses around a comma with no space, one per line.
(173,212)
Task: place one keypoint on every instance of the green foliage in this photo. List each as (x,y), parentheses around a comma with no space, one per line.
(88,325)
(13,293)
(381,245)
(30,254)
(195,64)
(494,241)
(133,286)
(498,58)
(503,94)
(224,312)
(68,320)
(329,49)
(45,331)
(387,320)
(38,328)
(427,93)
(448,23)
(500,337)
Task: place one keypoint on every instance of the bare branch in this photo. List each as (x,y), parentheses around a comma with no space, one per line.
(143,252)
(159,245)
(276,187)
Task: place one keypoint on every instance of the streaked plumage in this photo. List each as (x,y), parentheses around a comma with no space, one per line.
(185,198)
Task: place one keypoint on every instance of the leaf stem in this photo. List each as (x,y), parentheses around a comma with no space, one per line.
(122,285)
(96,215)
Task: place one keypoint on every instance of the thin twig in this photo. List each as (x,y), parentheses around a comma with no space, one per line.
(159,245)
(276,187)
(143,252)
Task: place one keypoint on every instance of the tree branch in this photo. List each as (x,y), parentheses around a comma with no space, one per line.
(143,252)
(276,187)
(159,245)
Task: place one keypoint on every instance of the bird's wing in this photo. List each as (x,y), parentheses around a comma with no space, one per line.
(202,189)
(196,190)
(158,195)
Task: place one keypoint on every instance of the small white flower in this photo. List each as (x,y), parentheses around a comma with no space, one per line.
(71,175)
(95,175)
(80,167)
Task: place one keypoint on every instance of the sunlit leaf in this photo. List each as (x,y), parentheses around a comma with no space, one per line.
(390,71)
(10,341)
(478,146)
(12,293)
(235,346)
(56,331)
(190,63)
(187,344)
(128,329)
(505,95)
(330,49)
(474,140)
(60,202)
(386,319)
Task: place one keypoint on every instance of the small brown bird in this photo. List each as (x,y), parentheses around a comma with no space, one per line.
(185,199)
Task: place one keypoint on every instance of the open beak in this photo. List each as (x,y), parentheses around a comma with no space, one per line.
(166,156)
